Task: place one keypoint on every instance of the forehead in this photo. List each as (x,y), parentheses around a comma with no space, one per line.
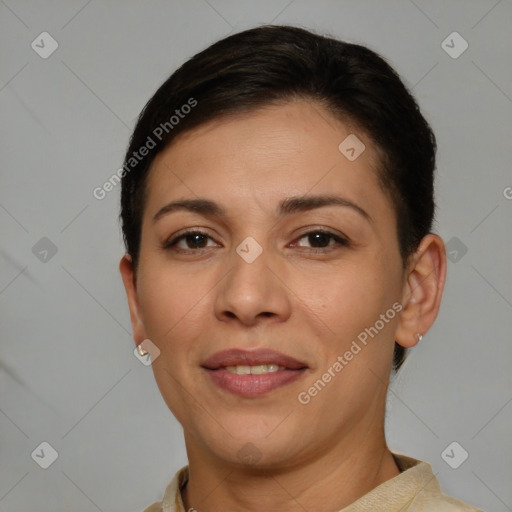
(275,151)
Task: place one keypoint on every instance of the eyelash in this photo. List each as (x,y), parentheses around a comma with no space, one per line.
(343,242)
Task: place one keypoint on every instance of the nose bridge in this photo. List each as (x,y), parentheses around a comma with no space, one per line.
(251,288)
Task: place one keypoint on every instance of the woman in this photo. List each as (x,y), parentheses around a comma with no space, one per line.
(277,202)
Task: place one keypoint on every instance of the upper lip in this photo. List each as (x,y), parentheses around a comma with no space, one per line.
(235,357)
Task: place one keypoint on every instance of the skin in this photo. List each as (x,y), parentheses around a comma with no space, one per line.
(311,305)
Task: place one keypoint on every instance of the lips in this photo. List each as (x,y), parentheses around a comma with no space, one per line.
(236,357)
(219,368)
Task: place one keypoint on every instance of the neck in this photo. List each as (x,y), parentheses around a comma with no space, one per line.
(332,481)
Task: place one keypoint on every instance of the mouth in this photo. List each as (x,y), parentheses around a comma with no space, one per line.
(252,373)
(259,369)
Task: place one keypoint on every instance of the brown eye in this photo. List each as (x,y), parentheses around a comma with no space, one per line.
(322,240)
(193,240)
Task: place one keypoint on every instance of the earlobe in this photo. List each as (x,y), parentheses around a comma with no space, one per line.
(423,291)
(130,286)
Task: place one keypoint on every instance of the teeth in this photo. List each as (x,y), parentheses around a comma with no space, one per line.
(254,370)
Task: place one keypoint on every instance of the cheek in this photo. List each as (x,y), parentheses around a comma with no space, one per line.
(173,315)
(347,299)
(348,289)
(172,307)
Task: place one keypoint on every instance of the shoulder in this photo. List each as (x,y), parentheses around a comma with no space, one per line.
(172,501)
(155,507)
(441,503)
(427,495)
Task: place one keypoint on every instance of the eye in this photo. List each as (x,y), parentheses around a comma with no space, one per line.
(321,240)
(193,240)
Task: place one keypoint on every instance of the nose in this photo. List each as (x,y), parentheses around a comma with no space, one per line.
(252,292)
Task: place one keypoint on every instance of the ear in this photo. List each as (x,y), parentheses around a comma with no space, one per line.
(423,290)
(130,286)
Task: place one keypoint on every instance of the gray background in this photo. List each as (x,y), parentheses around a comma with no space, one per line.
(68,375)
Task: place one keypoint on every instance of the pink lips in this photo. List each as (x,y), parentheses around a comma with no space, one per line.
(236,357)
(252,385)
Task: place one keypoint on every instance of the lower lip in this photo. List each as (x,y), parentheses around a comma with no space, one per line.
(253,385)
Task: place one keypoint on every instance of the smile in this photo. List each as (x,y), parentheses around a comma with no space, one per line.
(254,370)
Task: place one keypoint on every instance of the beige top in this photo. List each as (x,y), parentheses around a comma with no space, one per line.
(415,489)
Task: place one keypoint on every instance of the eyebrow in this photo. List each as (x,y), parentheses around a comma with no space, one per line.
(288,206)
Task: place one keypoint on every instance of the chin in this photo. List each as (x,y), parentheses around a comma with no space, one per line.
(256,454)
(250,444)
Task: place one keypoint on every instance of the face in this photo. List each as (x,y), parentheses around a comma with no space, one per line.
(293,249)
